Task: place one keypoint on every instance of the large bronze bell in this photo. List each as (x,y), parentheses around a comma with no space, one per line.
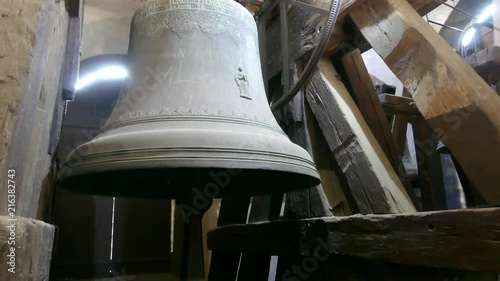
(193,115)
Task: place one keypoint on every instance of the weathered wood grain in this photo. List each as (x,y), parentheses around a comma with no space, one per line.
(224,264)
(393,105)
(464,239)
(372,181)
(369,105)
(430,171)
(459,105)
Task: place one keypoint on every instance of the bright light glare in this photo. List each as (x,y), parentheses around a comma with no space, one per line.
(469,36)
(488,12)
(105,73)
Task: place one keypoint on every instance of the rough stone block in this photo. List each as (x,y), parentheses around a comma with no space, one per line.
(27,257)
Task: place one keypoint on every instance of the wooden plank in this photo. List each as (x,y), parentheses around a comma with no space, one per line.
(372,181)
(393,105)
(152,255)
(82,248)
(334,185)
(304,203)
(486,62)
(464,239)
(400,128)
(311,202)
(459,105)
(224,264)
(429,167)
(303,29)
(256,266)
(73,46)
(369,105)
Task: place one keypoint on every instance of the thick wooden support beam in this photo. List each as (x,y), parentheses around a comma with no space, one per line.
(372,181)
(459,105)
(369,105)
(465,239)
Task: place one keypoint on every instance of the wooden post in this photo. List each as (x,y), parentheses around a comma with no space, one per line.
(459,105)
(372,181)
(369,105)
(256,266)
(429,167)
(400,128)
(224,264)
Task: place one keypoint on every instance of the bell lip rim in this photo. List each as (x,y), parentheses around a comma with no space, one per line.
(309,180)
(207,163)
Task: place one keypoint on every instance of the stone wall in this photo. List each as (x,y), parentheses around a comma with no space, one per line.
(28,257)
(33,35)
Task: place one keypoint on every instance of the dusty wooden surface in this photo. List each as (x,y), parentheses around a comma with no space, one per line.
(460,106)
(363,91)
(372,181)
(463,239)
(393,105)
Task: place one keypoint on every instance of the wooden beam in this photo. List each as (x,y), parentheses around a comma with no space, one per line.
(400,127)
(369,105)
(73,46)
(256,266)
(311,202)
(302,30)
(224,264)
(464,239)
(375,190)
(459,105)
(430,171)
(394,105)
(486,63)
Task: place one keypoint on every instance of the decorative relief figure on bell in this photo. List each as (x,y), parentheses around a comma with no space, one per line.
(242,82)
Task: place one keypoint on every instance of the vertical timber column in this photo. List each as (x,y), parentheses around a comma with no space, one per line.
(458,104)
(33,36)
